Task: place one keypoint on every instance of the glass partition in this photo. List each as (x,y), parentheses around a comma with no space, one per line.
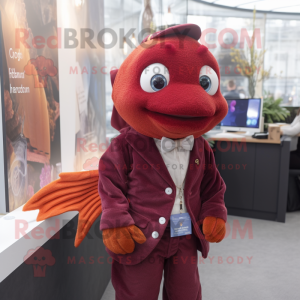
(222,28)
(283,55)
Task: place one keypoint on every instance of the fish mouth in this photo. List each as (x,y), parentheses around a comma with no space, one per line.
(184,117)
(176,117)
(178,125)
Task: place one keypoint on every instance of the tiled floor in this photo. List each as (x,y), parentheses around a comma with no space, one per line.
(273,272)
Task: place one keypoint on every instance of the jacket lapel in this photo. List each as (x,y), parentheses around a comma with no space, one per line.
(195,165)
(147,149)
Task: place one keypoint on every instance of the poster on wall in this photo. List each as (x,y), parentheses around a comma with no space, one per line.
(30,103)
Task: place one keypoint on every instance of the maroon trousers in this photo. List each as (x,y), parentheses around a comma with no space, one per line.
(175,257)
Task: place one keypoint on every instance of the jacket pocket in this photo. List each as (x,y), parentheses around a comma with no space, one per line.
(139,220)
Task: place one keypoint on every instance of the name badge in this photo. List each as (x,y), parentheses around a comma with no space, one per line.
(181,224)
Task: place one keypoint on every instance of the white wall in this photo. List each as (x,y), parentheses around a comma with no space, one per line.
(67,89)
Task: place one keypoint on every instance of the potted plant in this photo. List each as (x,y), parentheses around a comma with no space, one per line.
(250,63)
(272,111)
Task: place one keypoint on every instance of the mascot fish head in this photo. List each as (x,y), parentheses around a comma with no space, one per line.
(169,86)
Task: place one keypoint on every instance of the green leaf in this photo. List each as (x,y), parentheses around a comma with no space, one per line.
(272,111)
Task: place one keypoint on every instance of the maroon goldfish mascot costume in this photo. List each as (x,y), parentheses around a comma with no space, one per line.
(162,197)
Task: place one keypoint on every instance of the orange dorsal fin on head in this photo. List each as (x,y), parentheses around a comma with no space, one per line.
(74,191)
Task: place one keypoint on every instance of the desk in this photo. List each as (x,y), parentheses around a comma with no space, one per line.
(78,273)
(256,175)
(247,139)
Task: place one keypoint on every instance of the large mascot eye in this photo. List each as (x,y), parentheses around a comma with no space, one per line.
(154,78)
(208,80)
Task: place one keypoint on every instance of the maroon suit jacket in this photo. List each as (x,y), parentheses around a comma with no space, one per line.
(132,184)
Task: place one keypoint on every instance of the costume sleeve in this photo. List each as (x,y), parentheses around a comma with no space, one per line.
(114,166)
(212,189)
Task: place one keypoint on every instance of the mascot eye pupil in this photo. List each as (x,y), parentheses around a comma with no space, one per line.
(152,80)
(158,82)
(205,82)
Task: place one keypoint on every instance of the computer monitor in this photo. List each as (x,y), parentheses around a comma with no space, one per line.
(243,115)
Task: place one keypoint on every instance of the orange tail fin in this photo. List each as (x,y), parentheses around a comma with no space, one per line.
(74,191)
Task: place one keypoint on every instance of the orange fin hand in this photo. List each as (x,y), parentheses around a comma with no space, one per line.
(121,240)
(214,229)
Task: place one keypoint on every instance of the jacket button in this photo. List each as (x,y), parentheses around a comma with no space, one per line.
(162,220)
(168,191)
(155,234)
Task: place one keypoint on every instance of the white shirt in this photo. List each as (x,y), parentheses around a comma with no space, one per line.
(292,129)
(177,162)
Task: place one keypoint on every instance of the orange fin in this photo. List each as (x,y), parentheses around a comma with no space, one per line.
(74,191)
